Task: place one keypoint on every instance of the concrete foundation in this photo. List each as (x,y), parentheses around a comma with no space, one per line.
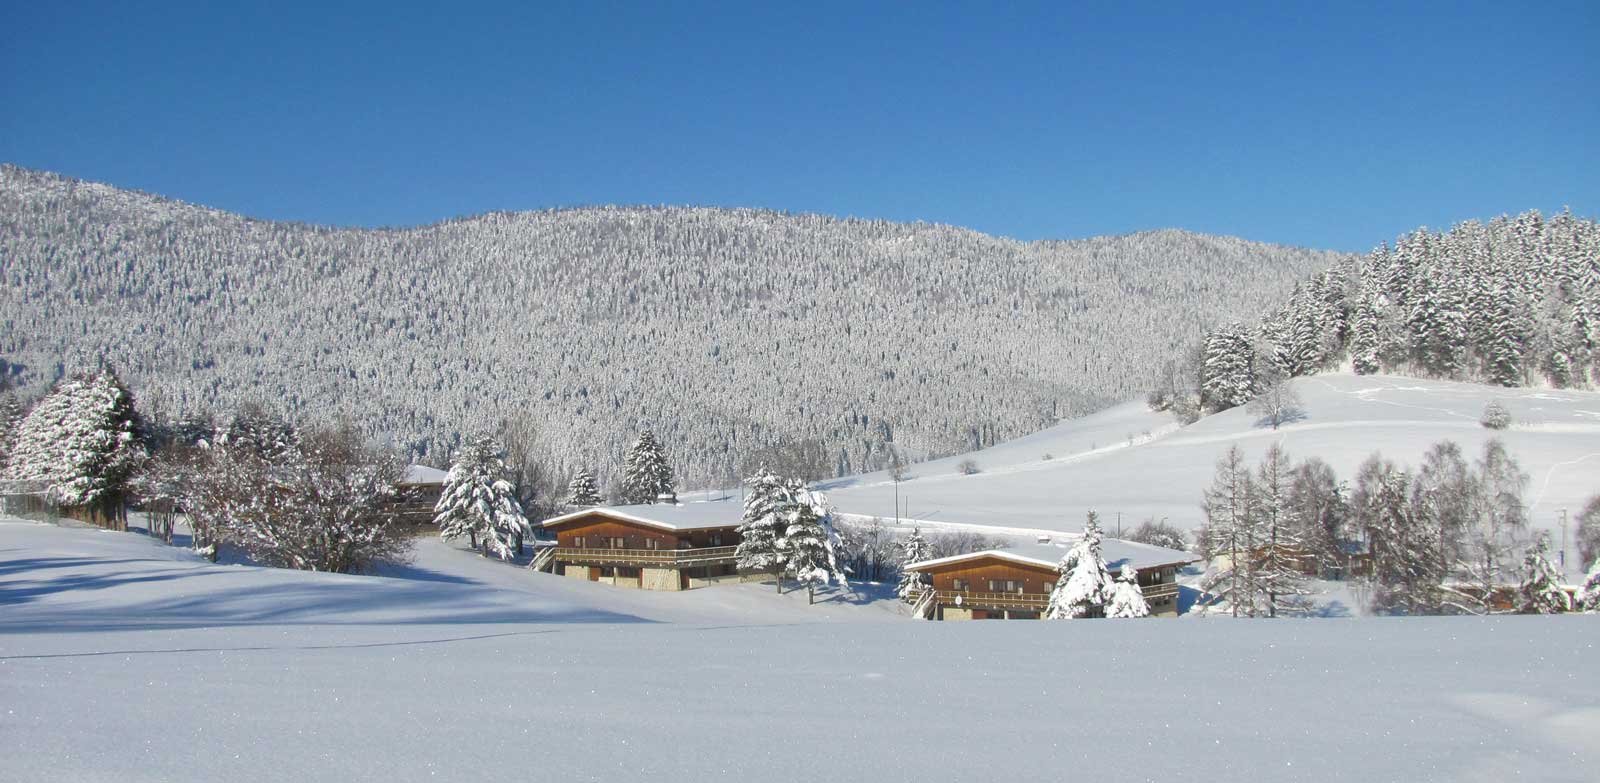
(660,579)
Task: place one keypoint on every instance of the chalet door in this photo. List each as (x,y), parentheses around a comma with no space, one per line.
(594,573)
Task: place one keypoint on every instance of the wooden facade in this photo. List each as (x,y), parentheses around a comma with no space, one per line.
(994,587)
(600,546)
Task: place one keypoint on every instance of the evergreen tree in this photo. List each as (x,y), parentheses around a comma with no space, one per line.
(82,441)
(10,422)
(913,549)
(647,477)
(1127,598)
(581,491)
(1588,596)
(1504,338)
(1085,586)
(761,532)
(478,501)
(810,544)
(1540,591)
(1365,341)
(259,431)
(1227,375)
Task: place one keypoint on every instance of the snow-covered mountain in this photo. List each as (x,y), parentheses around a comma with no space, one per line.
(728,329)
(1130,461)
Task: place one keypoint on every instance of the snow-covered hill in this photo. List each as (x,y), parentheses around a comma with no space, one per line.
(1131,461)
(124,660)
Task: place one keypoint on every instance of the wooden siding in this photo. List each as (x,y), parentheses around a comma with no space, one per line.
(977,573)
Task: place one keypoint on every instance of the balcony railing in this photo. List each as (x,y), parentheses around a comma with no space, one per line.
(1026,601)
(665,558)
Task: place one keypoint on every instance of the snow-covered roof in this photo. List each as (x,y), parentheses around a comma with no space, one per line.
(422,474)
(726,511)
(1117,553)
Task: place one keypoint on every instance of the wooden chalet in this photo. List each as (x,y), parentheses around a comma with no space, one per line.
(1015,584)
(416,495)
(652,547)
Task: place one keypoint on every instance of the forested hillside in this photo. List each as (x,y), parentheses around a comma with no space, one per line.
(728,330)
(1511,302)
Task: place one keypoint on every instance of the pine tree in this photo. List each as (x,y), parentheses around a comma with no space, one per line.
(1504,338)
(913,549)
(761,542)
(1127,598)
(10,422)
(1540,591)
(82,441)
(1365,342)
(647,477)
(1588,597)
(810,543)
(259,431)
(581,491)
(1227,375)
(480,503)
(1085,586)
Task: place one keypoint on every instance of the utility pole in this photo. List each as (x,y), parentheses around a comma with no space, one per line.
(1563,543)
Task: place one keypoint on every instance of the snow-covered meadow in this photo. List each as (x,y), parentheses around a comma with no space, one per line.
(1130,460)
(121,659)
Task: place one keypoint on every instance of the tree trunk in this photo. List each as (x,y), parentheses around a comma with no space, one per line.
(473,537)
(811,595)
(777,579)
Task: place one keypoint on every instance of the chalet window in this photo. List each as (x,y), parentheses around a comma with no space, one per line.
(1005,586)
(651,543)
(716,539)
(960,584)
(619,543)
(577,542)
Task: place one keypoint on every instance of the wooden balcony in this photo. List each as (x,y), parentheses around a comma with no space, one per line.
(1032,602)
(654,558)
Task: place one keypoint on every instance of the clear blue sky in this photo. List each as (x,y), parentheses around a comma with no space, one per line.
(1331,125)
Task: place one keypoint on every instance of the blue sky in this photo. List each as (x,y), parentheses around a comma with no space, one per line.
(1330,125)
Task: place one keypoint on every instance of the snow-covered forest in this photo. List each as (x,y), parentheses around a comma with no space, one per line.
(728,331)
(1511,302)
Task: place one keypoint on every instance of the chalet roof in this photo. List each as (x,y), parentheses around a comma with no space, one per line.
(1117,553)
(724,512)
(422,474)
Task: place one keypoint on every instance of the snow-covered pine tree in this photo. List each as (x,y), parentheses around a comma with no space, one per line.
(258,431)
(581,491)
(1227,377)
(1127,598)
(10,422)
(647,476)
(1540,591)
(1084,588)
(913,549)
(810,542)
(1504,338)
(1365,342)
(1588,598)
(1230,533)
(761,544)
(82,441)
(478,502)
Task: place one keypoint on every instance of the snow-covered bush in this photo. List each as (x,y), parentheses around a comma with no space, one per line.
(968,467)
(82,440)
(321,505)
(479,503)
(1495,416)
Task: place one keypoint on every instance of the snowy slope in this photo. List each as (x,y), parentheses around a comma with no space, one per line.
(1164,469)
(124,661)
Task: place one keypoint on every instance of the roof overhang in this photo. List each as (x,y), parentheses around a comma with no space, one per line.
(1001,554)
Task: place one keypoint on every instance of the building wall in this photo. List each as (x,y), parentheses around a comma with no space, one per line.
(977,573)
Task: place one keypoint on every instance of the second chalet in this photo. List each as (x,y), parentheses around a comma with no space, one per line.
(1015,583)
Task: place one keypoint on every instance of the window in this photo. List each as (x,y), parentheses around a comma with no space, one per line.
(651,543)
(577,542)
(959,584)
(716,539)
(1005,586)
(619,543)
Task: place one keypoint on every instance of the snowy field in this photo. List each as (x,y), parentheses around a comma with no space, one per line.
(124,660)
(1165,468)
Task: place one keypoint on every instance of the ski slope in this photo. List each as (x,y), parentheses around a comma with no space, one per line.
(1132,461)
(123,660)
